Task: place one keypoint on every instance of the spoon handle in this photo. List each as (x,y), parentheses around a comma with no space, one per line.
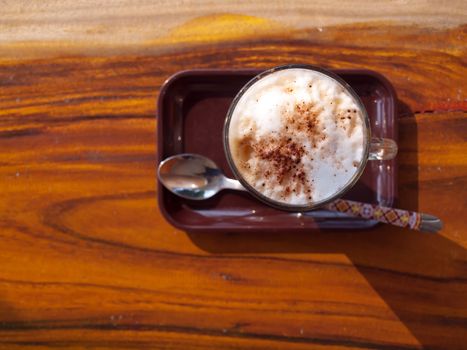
(232,184)
(397,217)
(392,216)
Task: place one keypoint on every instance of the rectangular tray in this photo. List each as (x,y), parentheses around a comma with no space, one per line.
(192,107)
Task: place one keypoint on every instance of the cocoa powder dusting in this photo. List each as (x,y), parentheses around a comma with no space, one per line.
(282,154)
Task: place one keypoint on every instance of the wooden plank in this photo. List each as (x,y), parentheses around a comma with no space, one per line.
(85,251)
(62,26)
(46,91)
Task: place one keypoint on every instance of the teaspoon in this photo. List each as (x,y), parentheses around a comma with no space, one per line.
(195,177)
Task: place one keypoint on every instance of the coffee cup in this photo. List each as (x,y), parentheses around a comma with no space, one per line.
(298,137)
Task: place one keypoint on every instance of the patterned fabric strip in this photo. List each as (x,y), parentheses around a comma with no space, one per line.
(402,218)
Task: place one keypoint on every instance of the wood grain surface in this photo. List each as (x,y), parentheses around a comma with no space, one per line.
(87,261)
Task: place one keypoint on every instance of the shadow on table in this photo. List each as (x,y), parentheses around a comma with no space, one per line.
(8,315)
(418,275)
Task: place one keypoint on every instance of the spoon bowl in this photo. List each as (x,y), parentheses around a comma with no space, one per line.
(190,176)
(194,177)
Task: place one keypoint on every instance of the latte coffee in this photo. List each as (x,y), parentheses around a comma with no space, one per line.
(297,136)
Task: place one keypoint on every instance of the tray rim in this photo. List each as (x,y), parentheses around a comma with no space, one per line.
(166,85)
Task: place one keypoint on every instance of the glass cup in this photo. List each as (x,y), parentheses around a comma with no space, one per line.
(374,148)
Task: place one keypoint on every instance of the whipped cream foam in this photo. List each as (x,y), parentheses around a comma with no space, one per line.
(297,136)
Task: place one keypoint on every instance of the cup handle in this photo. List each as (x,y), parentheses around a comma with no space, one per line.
(382,149)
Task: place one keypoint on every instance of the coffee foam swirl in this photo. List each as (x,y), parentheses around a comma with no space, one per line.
(297,136)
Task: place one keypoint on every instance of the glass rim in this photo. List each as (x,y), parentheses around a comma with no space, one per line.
(269,201)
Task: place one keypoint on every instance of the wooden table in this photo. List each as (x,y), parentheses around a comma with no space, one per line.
(86,259)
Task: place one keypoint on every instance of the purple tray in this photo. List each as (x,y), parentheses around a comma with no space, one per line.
(192,107)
